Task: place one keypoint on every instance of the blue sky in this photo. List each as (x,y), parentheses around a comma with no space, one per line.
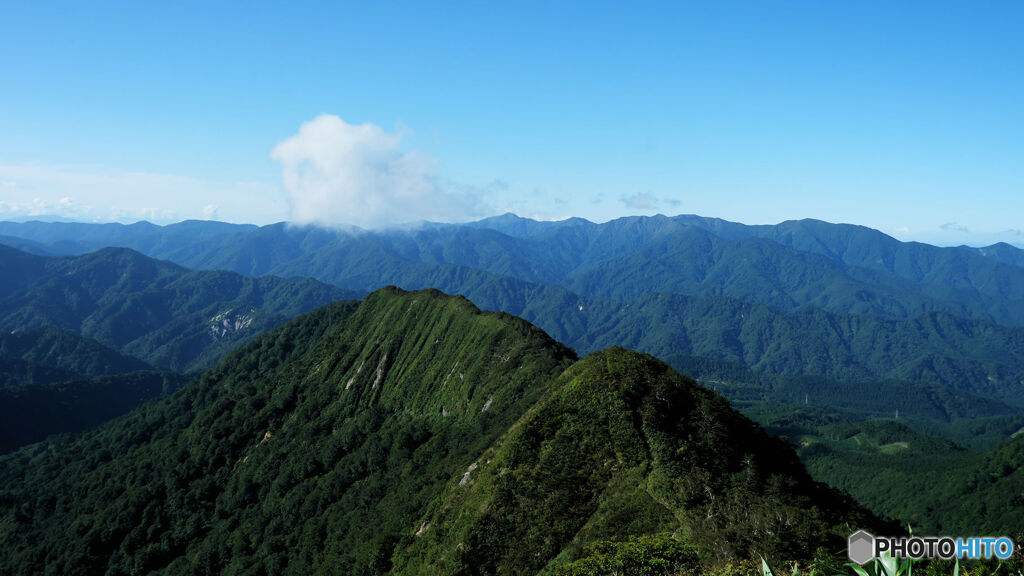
(901,116)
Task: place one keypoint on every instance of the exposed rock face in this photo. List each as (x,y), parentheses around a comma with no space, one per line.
(230,321)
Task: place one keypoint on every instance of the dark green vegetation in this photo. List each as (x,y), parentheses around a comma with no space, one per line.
(54,381)
(929,456)
(625,447)
(932,484)
(87,338)
(965,355)
(30,413)
(967,420)
(165,315)
(51,355)
(345,442)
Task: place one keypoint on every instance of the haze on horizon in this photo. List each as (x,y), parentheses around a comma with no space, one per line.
(904,118)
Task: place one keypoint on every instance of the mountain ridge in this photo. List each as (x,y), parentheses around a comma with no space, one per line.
(960,281)
(158,311)
(631,316)
(321,445)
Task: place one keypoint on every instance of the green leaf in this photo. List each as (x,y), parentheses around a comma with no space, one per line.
(860,570)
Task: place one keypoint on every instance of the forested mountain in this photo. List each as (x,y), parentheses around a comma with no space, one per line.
(937,348)
(74,238)
(966,419)
(405,435)
(623,447)
(838,267)
(31,412)
(166,315)
(50,355)
(84,339)
(798,298)
(54,381)
(1002,252)
(930,483)
(881,360)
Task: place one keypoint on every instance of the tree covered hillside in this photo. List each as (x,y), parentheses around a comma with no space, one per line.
(54,381)
(798,298)
(840,268)
(159,312)
(345,442)
(50,355)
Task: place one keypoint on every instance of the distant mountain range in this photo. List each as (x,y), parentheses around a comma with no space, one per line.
(50,355)
(789,265)
(797,298)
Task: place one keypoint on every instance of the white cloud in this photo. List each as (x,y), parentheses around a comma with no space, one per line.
(93,193)
(641,201)
(953,227)
(210,212)
(337,173)
(66,207)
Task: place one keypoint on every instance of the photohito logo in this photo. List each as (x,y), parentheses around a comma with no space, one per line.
(863,547)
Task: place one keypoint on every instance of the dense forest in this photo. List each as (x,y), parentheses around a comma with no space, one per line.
(346,440)
(84,339)
(168,316)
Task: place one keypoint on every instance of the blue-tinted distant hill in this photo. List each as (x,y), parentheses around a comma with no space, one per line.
(837,267)
(518,227)
(82,337)
(798,298)
(955,267)
(1002,252)
(74,238)
(159,312)
(50,355)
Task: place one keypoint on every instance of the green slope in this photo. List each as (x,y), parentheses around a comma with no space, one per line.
(931,484)
(970,421)
(54,381)
(967,355)
(324,445)
(49,355)
(624,447)
(367,416)
(30,413)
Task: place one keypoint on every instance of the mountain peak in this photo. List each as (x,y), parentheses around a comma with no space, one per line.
(625,446)
(411,419)
(517,226)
